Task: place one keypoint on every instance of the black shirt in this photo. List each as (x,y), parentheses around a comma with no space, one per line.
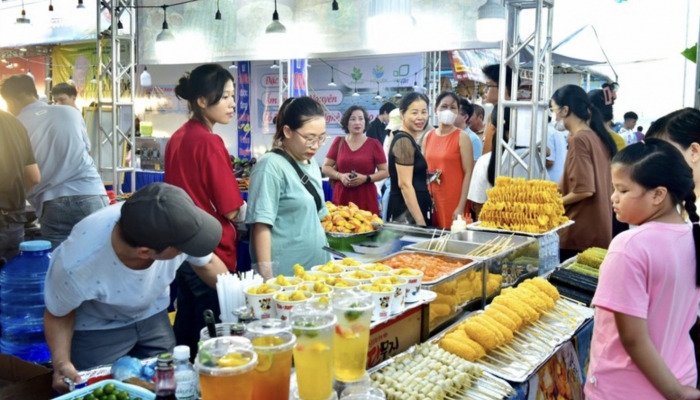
(15,154)
(377,130)
(405,151)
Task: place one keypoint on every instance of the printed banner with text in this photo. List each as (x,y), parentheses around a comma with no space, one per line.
(243,109)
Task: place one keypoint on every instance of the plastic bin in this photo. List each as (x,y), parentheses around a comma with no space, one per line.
(134,391)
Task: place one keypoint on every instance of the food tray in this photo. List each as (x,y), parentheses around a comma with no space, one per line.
(467,264)
(484,388)
(134,391)
(413,230)
(476,226)
(372,248)
(344,241)
(539,345)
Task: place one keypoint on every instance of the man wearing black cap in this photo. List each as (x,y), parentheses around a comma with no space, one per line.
(107,288)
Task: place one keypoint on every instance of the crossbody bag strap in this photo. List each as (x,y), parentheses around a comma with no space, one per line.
(304,178)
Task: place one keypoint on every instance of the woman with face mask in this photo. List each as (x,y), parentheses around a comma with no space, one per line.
(448,151)
(586,183)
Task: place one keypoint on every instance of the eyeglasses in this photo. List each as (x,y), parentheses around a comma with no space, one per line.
(312,140)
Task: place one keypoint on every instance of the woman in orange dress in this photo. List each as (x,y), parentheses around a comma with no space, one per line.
(448,151)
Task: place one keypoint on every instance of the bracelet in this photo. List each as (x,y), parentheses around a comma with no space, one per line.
(369,179)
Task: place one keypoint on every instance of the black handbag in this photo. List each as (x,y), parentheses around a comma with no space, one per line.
(304,178)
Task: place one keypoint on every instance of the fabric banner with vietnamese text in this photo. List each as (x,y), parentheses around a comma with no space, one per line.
(243,109)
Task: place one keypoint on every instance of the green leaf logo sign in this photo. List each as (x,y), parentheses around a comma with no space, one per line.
(356,74)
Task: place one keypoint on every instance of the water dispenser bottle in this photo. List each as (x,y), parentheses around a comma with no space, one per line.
(22,302)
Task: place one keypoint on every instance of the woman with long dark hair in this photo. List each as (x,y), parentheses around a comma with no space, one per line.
(586,184)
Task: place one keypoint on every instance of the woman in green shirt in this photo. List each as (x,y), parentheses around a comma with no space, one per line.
(285,216)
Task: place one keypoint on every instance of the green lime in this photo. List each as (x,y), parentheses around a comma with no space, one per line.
(111,397)
(123,395)
(90,397)
(109,388)
(99,392)
(353,315)
(206,359)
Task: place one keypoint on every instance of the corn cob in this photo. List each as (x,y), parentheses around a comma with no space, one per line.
(584,269)
(592,257)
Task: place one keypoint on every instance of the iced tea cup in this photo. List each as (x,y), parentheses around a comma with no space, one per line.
(313,326)
(273,343)
(414,278)
(382,297)
(284,304)
(378,269)
(225,367)
(399,284)
(286,283)
(260,304)
(351,339)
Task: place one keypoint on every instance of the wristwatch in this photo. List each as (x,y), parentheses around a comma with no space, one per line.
(369,179)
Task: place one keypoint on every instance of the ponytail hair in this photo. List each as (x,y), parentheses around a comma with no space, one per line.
(295,112)
(681,127)
(495,146)
(580,105)
(655,163)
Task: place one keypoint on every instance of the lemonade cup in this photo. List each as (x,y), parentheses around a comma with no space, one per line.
(351,339)
(313,353)
(326,269)
(225,367)
(363,277)
(383,300)
(399,284)
(283,308)
(273,343)
(414,278)
(378,269)
(222,329)
(295,283)
(260,305)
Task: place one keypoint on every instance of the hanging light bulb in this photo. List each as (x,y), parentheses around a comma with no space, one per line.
(70,80)
(165,41)
(22,49)
(335,5)
(275,26)
(119,21)
(80,5)
(355,94)
(145,77)
(48,78)
(23,21)
(165,35)
(274,65)
(233,65)
(332,82)
(50,5)
(378,96)
(491,24)
(94,79)
(218,12)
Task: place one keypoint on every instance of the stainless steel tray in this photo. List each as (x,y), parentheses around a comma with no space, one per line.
(476,226)
(535,345)
(486,387)
(467,264)
(412,230)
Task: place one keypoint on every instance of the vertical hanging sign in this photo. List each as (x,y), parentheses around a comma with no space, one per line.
(243,109)
(298,75)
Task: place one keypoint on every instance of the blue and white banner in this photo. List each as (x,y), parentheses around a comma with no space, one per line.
(243,109)
(298,85)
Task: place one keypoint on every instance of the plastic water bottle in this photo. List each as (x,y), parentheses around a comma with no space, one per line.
(22,302)
(185,375)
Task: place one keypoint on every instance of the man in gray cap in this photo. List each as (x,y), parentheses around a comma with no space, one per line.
(107,288)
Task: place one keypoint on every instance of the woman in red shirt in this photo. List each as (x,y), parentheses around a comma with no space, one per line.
(356,162)
(196,160)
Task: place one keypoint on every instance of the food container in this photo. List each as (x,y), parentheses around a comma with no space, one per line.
(283,308)
(414,278)
(295,283)
(383,301)
(399,284)
(361,276)
(260,305)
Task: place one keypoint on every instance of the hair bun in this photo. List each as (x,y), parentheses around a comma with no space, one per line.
(182,90)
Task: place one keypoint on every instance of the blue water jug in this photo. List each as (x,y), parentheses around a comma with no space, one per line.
(22,302)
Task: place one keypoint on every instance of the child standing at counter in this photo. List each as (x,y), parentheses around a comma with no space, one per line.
(647,298)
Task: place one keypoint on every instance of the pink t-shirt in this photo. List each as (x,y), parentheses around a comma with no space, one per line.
(649,273)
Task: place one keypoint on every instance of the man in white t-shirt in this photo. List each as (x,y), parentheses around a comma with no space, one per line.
(107,287)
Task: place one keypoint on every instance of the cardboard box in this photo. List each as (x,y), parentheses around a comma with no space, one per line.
(395,336)
(21,380)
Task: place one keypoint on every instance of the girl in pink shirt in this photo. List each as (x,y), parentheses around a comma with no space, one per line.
(647,298)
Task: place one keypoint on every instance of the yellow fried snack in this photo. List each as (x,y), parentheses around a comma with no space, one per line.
(312,278)
(525,296)
(535,291)
(262,289)
(546,287)
(320,287)
(439,310)
(360,275)
(501,318)
(407,272)
(331,268)
(349,262)
(282,297)
(486,324)
(378,267)
(480,334)
(377,288)
(298,270)
(507,333)
(458,348)
(389,280)
(297,295)
(460,335)
(517,306)
(283,281)
(512,315)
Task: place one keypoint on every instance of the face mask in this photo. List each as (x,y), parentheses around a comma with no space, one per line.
(446,117)
(559,125)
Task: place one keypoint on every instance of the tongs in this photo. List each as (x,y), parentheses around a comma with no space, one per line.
(334,252)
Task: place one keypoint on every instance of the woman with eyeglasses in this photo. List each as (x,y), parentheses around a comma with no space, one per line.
(355,162)
(409,201)
(285,195)
(448,151)
(586,183)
